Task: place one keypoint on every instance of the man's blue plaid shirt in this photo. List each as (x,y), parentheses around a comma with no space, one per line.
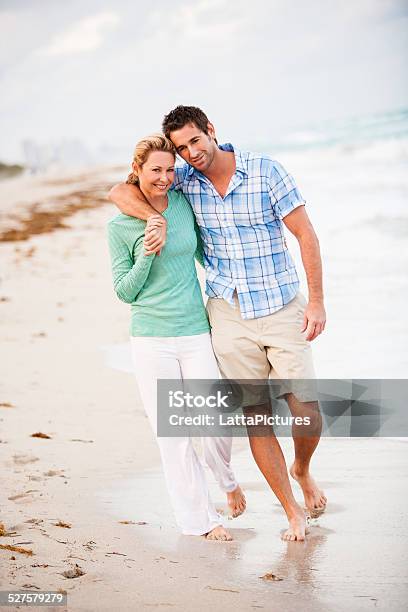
(243,237)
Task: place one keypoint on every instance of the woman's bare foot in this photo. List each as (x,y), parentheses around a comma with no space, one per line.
(236,502)
(315,499)
(219,533)
(297,527)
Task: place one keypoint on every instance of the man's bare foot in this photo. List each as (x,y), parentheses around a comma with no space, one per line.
(297,528)
(236,502)
(219,533)
(315,499)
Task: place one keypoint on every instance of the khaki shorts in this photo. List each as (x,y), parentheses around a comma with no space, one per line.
(263,348)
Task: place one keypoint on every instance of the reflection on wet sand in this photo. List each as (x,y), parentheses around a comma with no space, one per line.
(297,563)
(324,572)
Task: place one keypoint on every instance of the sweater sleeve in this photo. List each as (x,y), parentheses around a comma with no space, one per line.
(199,252)
(128,276)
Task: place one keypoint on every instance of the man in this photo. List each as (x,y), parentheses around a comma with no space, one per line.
(257,316)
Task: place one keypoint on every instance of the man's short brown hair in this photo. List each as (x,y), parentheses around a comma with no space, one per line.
(181,115)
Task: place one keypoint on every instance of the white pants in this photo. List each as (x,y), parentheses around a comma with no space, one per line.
(184,357)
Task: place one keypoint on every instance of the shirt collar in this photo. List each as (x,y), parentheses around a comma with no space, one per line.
(240,164)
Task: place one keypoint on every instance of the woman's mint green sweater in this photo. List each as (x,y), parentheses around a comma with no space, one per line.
(163,290)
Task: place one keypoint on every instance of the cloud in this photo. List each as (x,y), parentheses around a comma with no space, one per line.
(255,67)
(205,20)
(86,35)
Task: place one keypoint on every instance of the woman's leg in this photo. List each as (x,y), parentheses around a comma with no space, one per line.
(197,361)
(156,358)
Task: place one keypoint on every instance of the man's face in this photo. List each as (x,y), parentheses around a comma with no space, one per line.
(194,146)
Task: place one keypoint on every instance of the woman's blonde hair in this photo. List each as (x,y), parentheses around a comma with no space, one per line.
(154,142)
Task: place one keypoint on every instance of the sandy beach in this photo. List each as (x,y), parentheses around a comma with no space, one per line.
(81,484)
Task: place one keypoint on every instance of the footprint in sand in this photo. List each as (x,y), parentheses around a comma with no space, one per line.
(55,473)
(24,459)
(74,573)
(35,478)
(62,524)
(23,497)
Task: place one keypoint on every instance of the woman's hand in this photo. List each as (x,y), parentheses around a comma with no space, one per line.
(155,234)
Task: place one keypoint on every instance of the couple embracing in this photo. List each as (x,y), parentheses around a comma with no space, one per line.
(226,208)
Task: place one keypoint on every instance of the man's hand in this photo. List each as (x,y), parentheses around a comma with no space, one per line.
(314,320)
(299,224)
(155,234)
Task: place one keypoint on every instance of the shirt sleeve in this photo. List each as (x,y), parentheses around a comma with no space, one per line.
(128,276)
(199,252)
(284,193)
(180,173)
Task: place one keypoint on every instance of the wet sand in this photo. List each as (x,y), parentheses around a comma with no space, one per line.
(355,556)
(65,495)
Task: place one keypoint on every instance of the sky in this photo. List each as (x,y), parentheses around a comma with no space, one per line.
(105,72)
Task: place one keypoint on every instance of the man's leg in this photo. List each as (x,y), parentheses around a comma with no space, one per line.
(291,358)
(305,443)
(240,356)
(269,457)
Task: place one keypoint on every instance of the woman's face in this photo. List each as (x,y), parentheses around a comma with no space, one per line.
(157,173)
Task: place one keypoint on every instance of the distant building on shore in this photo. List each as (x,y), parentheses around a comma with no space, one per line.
(70,154)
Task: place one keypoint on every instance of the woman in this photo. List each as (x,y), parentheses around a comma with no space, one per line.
(170,336)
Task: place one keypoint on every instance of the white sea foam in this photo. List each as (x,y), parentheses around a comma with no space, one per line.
(357,198)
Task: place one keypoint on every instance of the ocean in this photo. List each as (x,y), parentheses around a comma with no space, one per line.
(354,177)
